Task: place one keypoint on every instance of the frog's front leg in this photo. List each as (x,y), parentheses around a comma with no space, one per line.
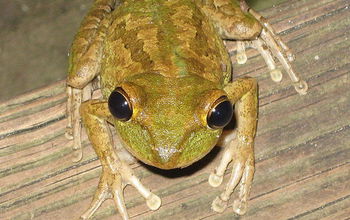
(84,65)
(116,173)
(241,150)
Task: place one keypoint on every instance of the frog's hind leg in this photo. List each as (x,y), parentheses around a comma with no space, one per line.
(270,45)
(86,51)
(84,65)
(234,20)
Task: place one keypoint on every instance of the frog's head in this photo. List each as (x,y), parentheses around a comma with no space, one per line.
(167,122)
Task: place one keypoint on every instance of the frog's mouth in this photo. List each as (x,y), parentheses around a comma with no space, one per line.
(161,157)
(165,155)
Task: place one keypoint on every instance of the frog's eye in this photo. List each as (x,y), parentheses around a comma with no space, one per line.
(119,105)
(220,113)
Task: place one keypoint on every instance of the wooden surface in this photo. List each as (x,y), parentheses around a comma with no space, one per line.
(302,145)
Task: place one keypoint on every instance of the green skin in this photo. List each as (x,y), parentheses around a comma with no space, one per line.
(168,121)
(168,56)
(181,68)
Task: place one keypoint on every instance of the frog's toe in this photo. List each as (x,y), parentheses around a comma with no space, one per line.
(153,202)
(219,205)
(239,207)
(77,155)
(290,56)
(241,58)
(69,133)
(77,150)
(102,193)
(301,87)
(118,197)
(215,180)
(109,187)
(279,50)
(276,75)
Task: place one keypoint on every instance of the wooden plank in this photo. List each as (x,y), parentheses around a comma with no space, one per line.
(302,146)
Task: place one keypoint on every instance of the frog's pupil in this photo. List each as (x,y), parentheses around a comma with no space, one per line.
(220,115)
(119,106)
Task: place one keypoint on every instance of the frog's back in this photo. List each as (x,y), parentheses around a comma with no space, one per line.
(169,37)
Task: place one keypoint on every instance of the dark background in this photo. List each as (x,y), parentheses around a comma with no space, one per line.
(35,36)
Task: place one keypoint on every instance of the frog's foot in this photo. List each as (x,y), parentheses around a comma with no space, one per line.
(269,46)
(242,171)
(74,126)
(111,186)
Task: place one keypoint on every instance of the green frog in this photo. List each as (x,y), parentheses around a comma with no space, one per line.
(165,78)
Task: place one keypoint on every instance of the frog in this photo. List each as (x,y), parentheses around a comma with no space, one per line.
(167,91)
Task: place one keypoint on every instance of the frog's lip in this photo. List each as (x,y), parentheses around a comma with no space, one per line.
(167,166)
(172,163)
(167,162)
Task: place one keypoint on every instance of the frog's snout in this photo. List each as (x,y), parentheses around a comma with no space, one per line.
(165,153)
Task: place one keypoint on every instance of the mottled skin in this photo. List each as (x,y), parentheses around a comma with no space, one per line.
(168,56)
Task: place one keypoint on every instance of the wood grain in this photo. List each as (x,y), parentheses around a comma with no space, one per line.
(302,146)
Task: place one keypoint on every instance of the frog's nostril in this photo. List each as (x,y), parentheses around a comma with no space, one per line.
(165,153)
